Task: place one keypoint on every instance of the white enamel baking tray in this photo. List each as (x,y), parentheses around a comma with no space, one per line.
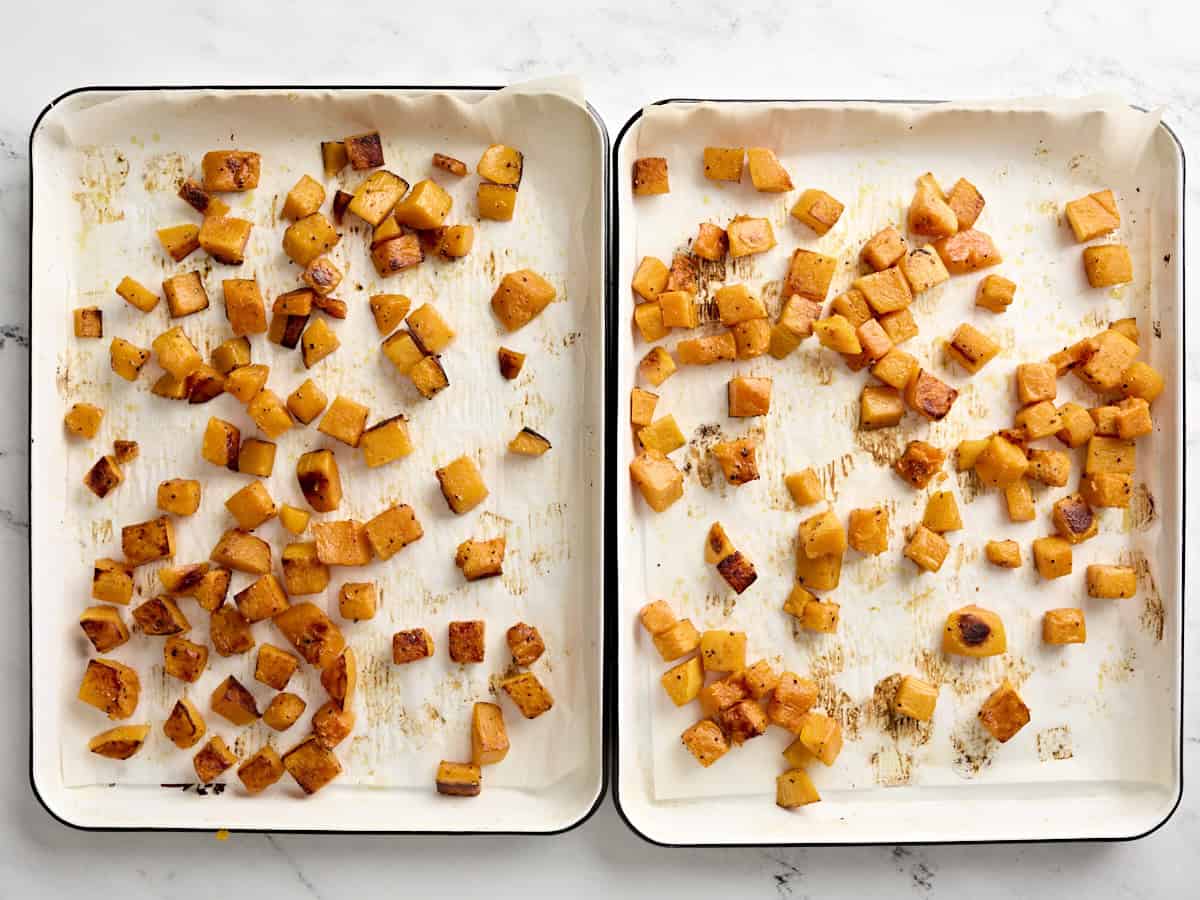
(1101,758)
(105,163)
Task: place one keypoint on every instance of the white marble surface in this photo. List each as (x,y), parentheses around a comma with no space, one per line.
(627,56)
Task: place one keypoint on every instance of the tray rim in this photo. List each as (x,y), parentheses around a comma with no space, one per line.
(607,561)
(613,231)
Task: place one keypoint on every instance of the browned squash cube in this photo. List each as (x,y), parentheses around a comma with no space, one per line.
(804,486)
(210,592)
(318,342)
(738,460)
(251,506)
(659,481)
(749,397)
(229,631)
(737,570)
(1052,467)
(995,293)
(185,294)
(528,693)
(231,354)
(304,199)
(884,249)
(89,322)
(429,329)
(385,442)
(1006,554)
(1052,556)
(104,627)
(1142,380)
(230,170)
(818,210)
(974,631)
(244,383)
(915,698)
(458,779)
(312,633)
(766,171)
(1073,519)
(1112,356)
(462,484)
(283,711)
(966,201)
(500,164)
(821,735)
(929,214)
(344,420)
(466,641)
(822,534)
(650,176)
(808,275)
(357,601)
(184,659)
(896,369)
(497,202)
(320,481)
(821,573)
(261,770)
(525,643)
(310,237)
(111,687)
(342,543)
(1001,463)
(751,338)
(1004,713)
(242,552)
(521,297)
(112,581)
(793,698)
(837,334)
(971,348)
(923,269)
(1093,215)
(103,477)
(275,667)
(147,541)
(919,463)
(179,240)
(880,407)
(426,206)
(232,701)
(126,359)
(263,599)
(748,236)
(480,559)
(137,295)
(340,680)
(83,419)
(795,788)
(312,765)
(224,238)
(1110,454)
(1064,626)
(184,727)
(489,738)
(393,530)
(322,276)
(927,549)
(411,645)
(706,742)
(214,758)
(1018,498)
(796,321)
(677,640)
(428,376)
(711,242)
(967,251)
(363,151)
(454,242)
(743,720)
(1038,420)
(724,163)
(657,365)
(721,694)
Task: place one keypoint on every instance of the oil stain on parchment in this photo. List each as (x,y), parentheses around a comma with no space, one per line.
(163,172)
(105,170)
(1153,619)
(1054,743)
(1142,510)
(973,748)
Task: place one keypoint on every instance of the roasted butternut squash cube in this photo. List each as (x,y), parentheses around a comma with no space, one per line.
(656,617)
(83,419)
(821,573)
(1018,498)
(1004,713)
(375,197)
(791,701)
(389,311)
(700,351)
(1093,215)
(229,631)
(941,513)
(242,552)
(397,254)
(899,325)
(736,304)
(104,627)
(1110,454)
(767,172)
(1005,554)
(648,317)
(885,291)
(312,633)
(462,484)
(809,275)
(1052,556)
(1073,518)
(663,435)
(231,354)
(724,163)
(465,641)
(837,334)
(213,760)
(500,164)
(852,306)
(245,383)
(112,581)
(410,646)
(1111,582)
(525,643)
(706,742)
(147,541)
(1141,380)
(821,617)
(480,559)
(711,242)
(804,486)
(318,342)
(521,296)
(929,214)
(510,362)
(915,698)
(677,640)
(738,571)
(312,236)
(275,667)
(1112,356)
(968,452)
(794,788)
(357,601)
(919,463)
(1036,382)
(230,170)
(721,694)
(1038,420)
(322,276)
(752,338)
(344,421)
(682,274)
(723,651)
(312,765)
(1077,425)
(1052,467)
(103,477)
(874,341)
(269,414)
(137,295)
(261,770)
(232,701)
(738,460)
(251,506)
(184,727)
(111,687)
(385,442)
(224,238)
(923,269)
(454,242)
(263,599)
(880,406)
(179,240)
(1001,463)
(458,779)
(797,599)
(885,249)
(340,680)
(428,377)
(364,151)
(320,481)
(283,711)
(967,251)
(683,682)
(1107,489)
(304,199)
(868,530)
(342,543)
(748,236)
(971,348)
(88,322)
(1063,626)
(995,293)
(1072,356)
(822,534)
(748,397)
(194,195)
(426,206)
(895,368)
(650,279)
(966,201)
(927,549)
(127,359)
(743,720)
(974,631)
(393,530)
(821,735)
(677,309)
(650,176)
(659,481)
(818,210)
(211,590)
(497,202)
(489,738)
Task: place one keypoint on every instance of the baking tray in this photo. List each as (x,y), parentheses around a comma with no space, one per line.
(1102,757)
(103,165)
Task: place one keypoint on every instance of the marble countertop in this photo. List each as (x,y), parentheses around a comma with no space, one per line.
(628,54)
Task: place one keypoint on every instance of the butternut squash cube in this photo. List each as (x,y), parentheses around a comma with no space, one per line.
(126,359)
(738,571)
(230,170)
(185,726)
(385,442)
(1077,425)
(245,383)
(242,552)
(915,698)
(868,530)
(212,760)
(919,463)
(465,642)
(1038,420)
(657,365)
(375,197)
(1142,380)
(766,171)
(742,721)
(111,687)
(706,350)
(1005,554)
(650,176)
(317,343)
(1001,463)
(1113,355)
(1111,582)
(229,631)
(397,254)
(791,701)
(837,334)
(256,458)
(738,460)
(480,559)
(660,483)
(179,240)
(724,163)
(650,279)
(510,362)
(822,534)
(312,765)
(1073,518)
(677,640)
(224,238)
(967,251)
(304,199)
(231,354)
(885,249)
(251,506)
(822,736)
(706,742)
(820,616)
(261,770)
(1093,215)
(880,406)
(818,210)
(852,306)
(682,275)
(641,407)
(974,631)
(104,476)
(1036,382)
(735,304)
(489,738)
(83,419)
(822,573)
(342,543)
(794,788)
(210,593)
(321,275)
(521,296)
(899,325)
(320,481)
(966,201)
(203,384)
(749,397)
(137,295)
(104,627)
(885,291)
(1133,418)
(425,207)
(283,711)
(683,682)
(1052,467)
(1052,556)
(663,436)
(269,414)
(927,549)
(809,275)
(929,214)
(723,693)
(392,530)
(232,701)
(648,317)
(895,368)
(941,513)
(1064,626)
(525,643)
(310,237)
(312,633)
(462,484)
(760,679)
(410,646)
(497,202)
(748,236)
(344,421)
(147,541)
(804,486)
(995,293)
(364,151)
(1110,454)
(711,242)
(357,600)
(678,309)
(1004,713)
(1018,498)
(723,651)
(923,269)
(971,348)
